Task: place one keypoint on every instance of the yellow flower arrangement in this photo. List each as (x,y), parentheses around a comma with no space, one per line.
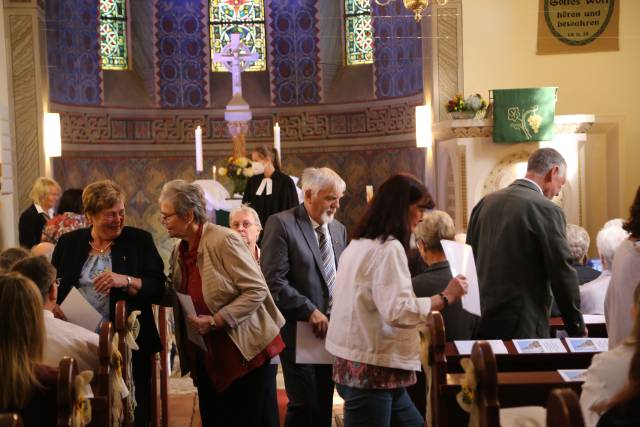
(238,170)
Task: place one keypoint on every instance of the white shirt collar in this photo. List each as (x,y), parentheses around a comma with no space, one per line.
(40,210)
(534,183)
(48,313)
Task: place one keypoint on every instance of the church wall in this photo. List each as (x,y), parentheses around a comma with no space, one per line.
(142,149)
(397,51)
(499,45)
(73,52)
(8,199)
(182,53)
(294,52)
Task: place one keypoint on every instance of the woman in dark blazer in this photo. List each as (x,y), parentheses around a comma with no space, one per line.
(45,194)
(109,262)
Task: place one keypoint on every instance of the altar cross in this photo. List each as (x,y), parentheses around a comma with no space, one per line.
(236,57)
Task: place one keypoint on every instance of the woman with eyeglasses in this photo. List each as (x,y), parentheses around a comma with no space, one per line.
(246,222)
(109,262)
(234,314)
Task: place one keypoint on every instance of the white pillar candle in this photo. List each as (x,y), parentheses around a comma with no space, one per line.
(369,192)
(213,172)
(276,139)
(199,166)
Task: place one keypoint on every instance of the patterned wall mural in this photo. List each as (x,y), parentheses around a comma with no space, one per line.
(142,178)
(182,53)
(397,51)
(73,50)
(294,59)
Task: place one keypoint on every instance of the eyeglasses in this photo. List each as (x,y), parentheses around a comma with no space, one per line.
(57,282)
(110,216)
(244,224)
(165,217)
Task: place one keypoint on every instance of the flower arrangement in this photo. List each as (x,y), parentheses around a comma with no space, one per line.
(473,104)
(238,170)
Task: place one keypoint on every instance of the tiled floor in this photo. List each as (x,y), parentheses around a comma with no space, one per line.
(183,402)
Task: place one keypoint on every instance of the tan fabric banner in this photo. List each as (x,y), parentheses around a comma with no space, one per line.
(576,26)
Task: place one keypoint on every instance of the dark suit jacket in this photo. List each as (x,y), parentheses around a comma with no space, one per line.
(458,323)
(521,253)
(133,253)
(30,227)
(292,266)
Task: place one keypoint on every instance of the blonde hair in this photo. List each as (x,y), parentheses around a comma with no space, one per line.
(435,226)
(578,240)
(41,189)
(21,339)
(101,195)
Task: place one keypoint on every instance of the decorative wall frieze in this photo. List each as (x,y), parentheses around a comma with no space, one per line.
(102,126)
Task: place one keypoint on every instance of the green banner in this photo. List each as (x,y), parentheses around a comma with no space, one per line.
(524,115)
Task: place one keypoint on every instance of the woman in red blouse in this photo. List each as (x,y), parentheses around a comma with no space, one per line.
(227,344)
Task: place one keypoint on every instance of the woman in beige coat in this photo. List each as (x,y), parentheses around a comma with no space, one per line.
(234,314)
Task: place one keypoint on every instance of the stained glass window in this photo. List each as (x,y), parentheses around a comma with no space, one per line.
(113,34)
(358,32)
(237,16)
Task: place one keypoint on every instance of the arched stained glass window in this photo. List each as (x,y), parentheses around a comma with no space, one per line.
(358,32)
(113,34)
(237,16)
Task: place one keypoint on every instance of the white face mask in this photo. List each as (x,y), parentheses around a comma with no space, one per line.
(257,167)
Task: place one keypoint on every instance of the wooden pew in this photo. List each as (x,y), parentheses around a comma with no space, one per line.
(596,330)
(563,409)
(102,400)
(445,385)
(67,371)
(121,329)
(10,420)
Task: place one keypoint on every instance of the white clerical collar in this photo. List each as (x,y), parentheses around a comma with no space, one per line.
(267,183)
(534,183)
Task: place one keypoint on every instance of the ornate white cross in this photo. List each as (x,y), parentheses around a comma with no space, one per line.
(236,57)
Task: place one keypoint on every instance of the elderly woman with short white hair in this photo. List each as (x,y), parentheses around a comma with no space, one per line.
(234,313)
(579,241)
(592,294)
(245,221)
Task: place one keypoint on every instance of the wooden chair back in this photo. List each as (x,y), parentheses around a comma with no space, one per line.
(10,420)
(563,409)
(68,369)
(121,329)
(101,385)
(436,372)
(484,365)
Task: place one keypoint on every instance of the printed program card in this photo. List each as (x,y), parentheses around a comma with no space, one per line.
(573,375)
(539,345)
(588,345)
(461,261)
(464,347)
(590,319)
(187,306)
(309,348)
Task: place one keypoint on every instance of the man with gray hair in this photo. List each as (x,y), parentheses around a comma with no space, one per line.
(300,251)
(521,253)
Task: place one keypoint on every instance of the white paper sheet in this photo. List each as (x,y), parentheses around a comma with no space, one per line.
(593,318)
(187,306)
(582,345)
(460,257)
(573,375)
(78,311)
(539,345)
(309,348)
(464,347)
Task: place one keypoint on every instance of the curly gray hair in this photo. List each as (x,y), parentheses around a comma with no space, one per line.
(185,197)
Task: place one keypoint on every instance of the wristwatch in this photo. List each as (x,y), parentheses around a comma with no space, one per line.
(212,323)
(126,288)
(444,299)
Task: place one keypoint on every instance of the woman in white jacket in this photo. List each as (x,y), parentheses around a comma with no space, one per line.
(372,328)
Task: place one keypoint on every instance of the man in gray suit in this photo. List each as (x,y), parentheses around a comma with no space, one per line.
(521,253)
(299,259)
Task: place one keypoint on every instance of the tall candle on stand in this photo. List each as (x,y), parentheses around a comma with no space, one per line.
(368,190)
(213,172)
(276,140)
(199,167)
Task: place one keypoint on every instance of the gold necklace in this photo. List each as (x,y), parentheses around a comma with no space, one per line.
(103,250)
